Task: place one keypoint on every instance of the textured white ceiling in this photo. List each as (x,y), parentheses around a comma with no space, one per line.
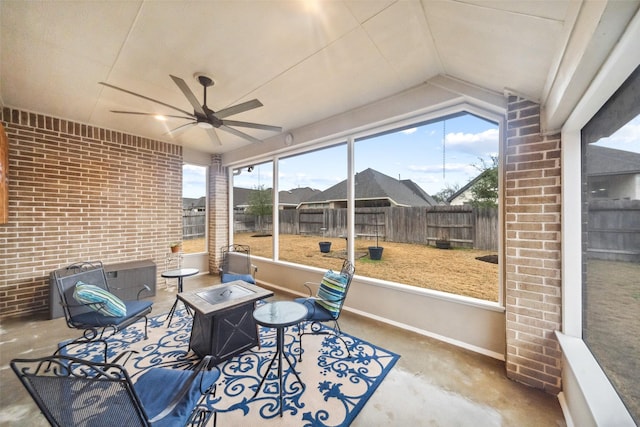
(304,60)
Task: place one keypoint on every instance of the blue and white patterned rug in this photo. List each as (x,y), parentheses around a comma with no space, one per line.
(337,387)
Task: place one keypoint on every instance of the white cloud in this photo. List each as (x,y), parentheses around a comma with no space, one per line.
(627,138)
(448,167)
(480,144)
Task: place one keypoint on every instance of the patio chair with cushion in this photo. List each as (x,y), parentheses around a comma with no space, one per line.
(236,264)
(327,305)
(90,306)
(73,392)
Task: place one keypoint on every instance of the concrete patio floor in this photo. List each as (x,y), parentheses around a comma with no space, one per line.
(433,383)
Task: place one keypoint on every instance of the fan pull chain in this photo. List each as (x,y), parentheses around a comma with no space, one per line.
(444,138)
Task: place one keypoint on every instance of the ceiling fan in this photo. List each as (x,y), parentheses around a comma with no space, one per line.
(202,115)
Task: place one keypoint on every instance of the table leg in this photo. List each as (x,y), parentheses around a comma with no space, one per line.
(172,311)
(175,304)
(280,344)
(279,355)
(264,377)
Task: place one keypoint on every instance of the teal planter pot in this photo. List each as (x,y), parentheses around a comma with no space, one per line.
(325,247)
(375,252)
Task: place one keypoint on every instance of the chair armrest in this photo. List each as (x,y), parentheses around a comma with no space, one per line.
(308,285)
(205,363)
(200,367)
(145,288)
(315,298)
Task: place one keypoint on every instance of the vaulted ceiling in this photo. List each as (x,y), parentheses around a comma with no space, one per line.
(305,60)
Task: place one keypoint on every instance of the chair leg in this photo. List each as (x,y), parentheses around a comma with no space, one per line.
(202,414)
(336,331)
(345,344)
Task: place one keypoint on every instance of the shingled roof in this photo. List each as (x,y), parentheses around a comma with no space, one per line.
(293,197)
(373,185)
(610,161)
(287,198)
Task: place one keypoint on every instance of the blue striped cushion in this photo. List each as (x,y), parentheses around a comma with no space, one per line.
(331,292)
(100,300)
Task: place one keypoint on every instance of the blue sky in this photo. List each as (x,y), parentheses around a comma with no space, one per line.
(626,138)
(414,153)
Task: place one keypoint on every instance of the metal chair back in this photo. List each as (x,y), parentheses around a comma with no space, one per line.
(90,272)
(347,270)
(71,392)
(236,259)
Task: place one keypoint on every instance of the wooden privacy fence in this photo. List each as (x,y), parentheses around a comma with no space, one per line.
(614,230)
(193,224)
(463,226)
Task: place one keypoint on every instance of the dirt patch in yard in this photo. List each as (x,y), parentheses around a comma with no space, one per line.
(455,271)
(488,258)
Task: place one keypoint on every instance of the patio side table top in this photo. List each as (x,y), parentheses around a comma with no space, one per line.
(279,314)
(180,272)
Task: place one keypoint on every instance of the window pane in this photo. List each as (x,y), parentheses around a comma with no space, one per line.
(252,208)
(194,208)
(308,215)
(611,230)
(433,185)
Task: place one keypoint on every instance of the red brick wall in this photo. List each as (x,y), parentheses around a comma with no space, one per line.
(533,268)
(78,192)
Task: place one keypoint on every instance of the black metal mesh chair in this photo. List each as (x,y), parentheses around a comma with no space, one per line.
(73,392)
(327,305)
(85,316)
(236,264)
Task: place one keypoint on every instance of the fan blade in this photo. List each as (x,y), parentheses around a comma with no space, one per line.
(239,108)
(238,133)
(145,97)
(151,114)
(180,128)
(213,136)
(252,125)
(190,96)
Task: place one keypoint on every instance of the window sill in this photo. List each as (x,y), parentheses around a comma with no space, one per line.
(589,397)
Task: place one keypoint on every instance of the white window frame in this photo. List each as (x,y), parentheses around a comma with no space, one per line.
(436,113)
(586,387)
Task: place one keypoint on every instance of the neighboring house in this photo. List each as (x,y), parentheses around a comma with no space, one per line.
(241,199)
(464,195)
(194,205)
(615,173)
(288,199)
(372,189)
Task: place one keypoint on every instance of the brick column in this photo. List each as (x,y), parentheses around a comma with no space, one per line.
(218,211)
(533,248)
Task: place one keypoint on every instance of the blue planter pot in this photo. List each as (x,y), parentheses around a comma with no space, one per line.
(325,247)
(375,252)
